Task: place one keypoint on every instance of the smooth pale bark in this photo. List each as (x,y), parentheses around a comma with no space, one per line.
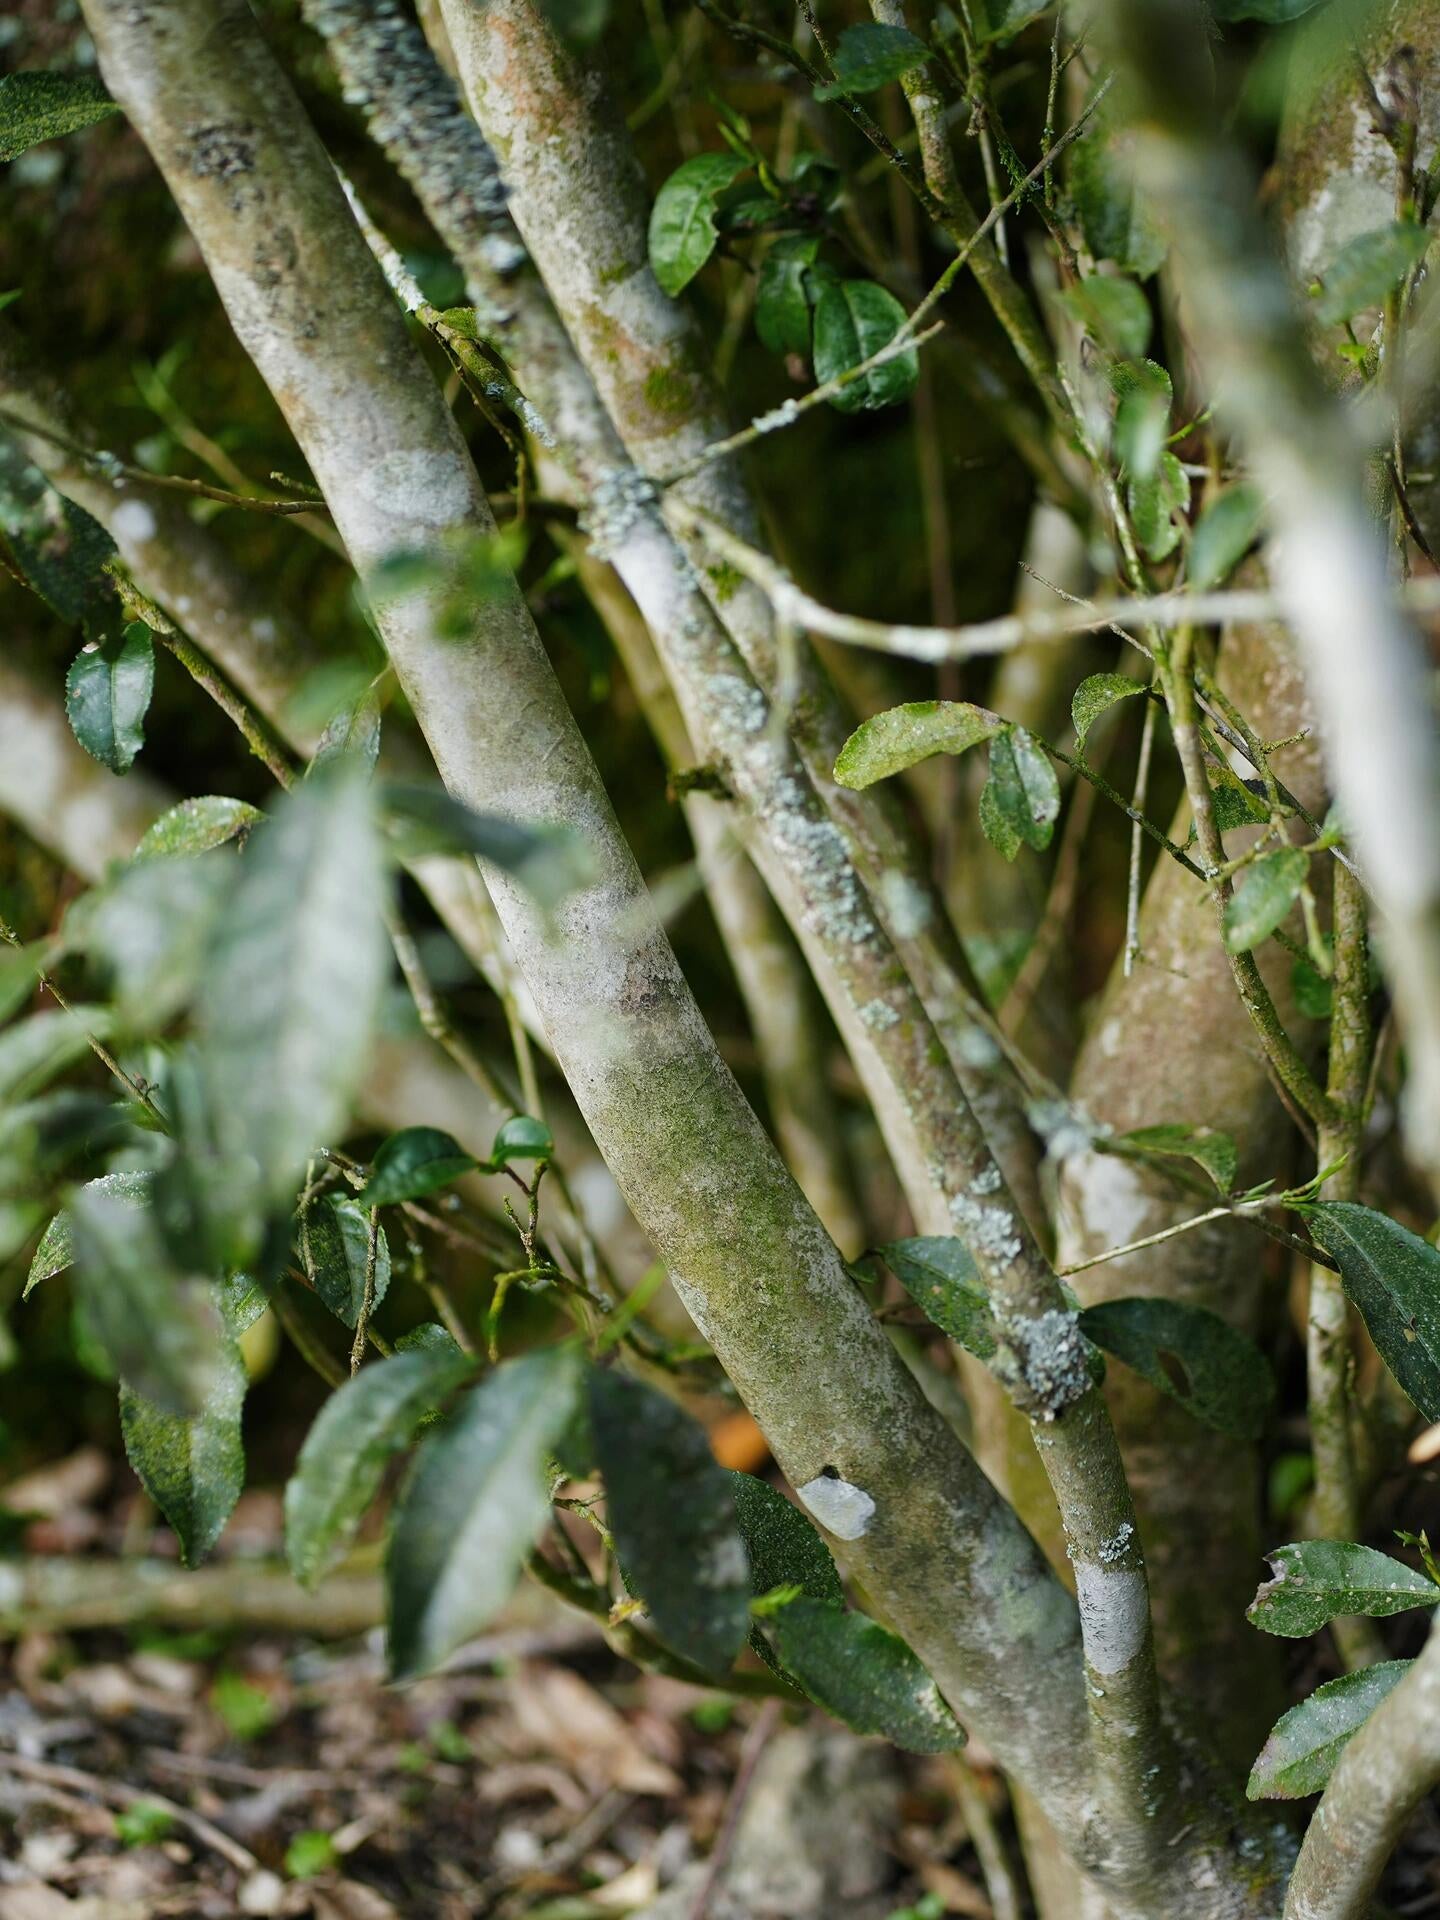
(944,1557)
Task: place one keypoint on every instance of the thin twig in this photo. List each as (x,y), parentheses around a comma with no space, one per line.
(73,1780)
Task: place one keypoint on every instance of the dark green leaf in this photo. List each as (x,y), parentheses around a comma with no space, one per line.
(56,1250)
(195,826)
(1265,894)
(1305,1743)
(1223,533)
(1116,222)
(902,736)
(428,1336)
(682,221)
(1234,803)
(782,298)
(1096,696)
(107,695)
(1113,311)
(1313,996)
(864,1675)
(1217,1374)
(549,862)
(293,986)
(1208,1147)
(870,56)
(853,320)
(1021,800)
(160,1330)
(1316,1581)
(521,1138)
(1368,268)
(783,1548)
(192,1467)
(412,1163)
(37,105)
(472,1507)
(356,1433)
(1393,1278)
(335,1238)
(1001,19)
(1156,503)
(672,1513)
(944,1282)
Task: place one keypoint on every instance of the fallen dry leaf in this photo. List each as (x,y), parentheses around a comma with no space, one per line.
(560,1716)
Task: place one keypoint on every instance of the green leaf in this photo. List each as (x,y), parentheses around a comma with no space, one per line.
(782,297)
(293,986)
(412,1163)
(781,1545)
(1218,1375)
(149,931)
(521,1138)
(353,733)
(34,1050)
(1271,13)
(1313,996)
(672,1513)
(160,1330)
(1368,267)
(1208,1147)
(549,862)
(1223,534)
(1155,503)
(1113,311)
(854,319)
(20,968)
(1393,1278)
(1142,415)
(865,1675)
(1020,801)
(1096,696)
(1002,19)
(944,1282)
(336,1237)
(1235,804)
(192,1467)
(1265,894)
(1316,1581)
(902,736)
(472,1507)
(107,695)
(36,106)
(870,56)
(1305,1743)
(356,1433)
(195,826)
(56,1250)
(682,221)
(1117,224)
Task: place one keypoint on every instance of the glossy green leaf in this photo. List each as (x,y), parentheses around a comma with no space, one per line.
(869,56)
(1157,503)
(291,993)
(521,1138)
(682,221)
(1263,896)
(941,1278)
(473,1505)
(1367,268)
(549,862)
(672,1512)
(412,1163)
(1217,1374)
(853,320)
(335,1240)
(357,1432)
(1393,1278)
(107,695)
(1117,224)
(1305,1743)
(782,296)
(902,736)
(1223,534)
(195,826)
(160,1329)
(1096,696)
(782,1546)
(1208,1147)
(1114,311)
(38,105)
(1020,801)
(865,1675)
(56,1249)
(192,1466)
(1316,1581)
